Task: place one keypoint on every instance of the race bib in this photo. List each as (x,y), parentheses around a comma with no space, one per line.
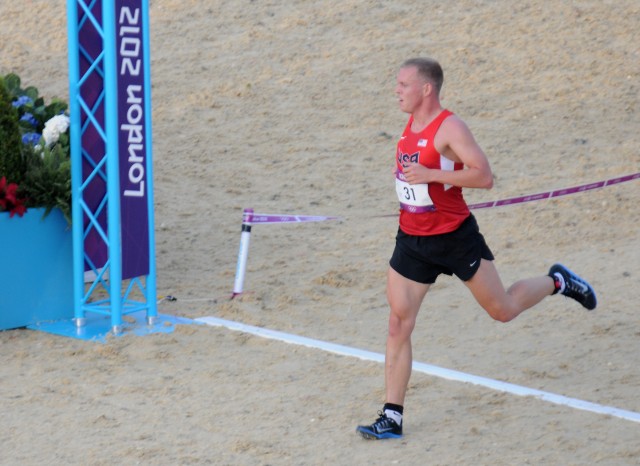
(413,197)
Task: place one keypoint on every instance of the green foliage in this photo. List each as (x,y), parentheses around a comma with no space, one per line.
(47,180)
(11,161)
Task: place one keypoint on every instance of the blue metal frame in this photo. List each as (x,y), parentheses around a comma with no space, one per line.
(119,301)
(152,306)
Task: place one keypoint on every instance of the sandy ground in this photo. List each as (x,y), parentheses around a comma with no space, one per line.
(288,107)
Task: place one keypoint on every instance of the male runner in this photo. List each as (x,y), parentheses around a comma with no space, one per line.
(436,157)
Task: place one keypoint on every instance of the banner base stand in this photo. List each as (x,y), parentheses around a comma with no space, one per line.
(98,327)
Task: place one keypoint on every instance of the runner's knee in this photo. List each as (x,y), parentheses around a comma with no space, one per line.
(401,324)
(501,317)
(500,312)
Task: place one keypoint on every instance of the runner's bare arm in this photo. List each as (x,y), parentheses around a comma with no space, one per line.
(455,141)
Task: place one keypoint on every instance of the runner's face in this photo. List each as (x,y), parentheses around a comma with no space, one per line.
(409,89)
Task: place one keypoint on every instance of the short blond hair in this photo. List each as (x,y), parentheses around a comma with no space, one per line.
(428,69)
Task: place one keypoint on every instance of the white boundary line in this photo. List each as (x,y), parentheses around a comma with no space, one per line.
(425,368)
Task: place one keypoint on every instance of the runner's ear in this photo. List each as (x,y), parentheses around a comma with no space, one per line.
(427,88)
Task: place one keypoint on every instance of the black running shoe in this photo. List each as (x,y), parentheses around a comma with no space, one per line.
(384,427)
(574,286)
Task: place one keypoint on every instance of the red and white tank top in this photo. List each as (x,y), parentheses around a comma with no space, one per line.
(430,209)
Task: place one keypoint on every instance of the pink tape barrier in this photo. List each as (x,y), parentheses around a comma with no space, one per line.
(556,193)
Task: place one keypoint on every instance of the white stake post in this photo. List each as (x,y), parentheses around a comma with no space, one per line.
(245,237)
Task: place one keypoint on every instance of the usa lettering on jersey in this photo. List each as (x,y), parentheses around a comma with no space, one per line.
(404,159)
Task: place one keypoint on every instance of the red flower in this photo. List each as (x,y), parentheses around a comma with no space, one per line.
(9,199)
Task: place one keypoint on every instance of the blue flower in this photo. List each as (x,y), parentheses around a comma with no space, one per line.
(22,100)
(31,138)
(29,118)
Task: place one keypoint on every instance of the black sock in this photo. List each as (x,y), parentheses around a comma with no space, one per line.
(558,283)
(393,412)
(392,407)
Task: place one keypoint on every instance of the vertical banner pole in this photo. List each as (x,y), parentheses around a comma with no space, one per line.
(151,293)
(75,132)
(112,180)
(245,237)
(113,174)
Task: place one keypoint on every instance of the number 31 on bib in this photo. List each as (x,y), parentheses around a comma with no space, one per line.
(413,197)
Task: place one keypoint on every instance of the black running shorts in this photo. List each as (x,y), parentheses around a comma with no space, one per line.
(423,258)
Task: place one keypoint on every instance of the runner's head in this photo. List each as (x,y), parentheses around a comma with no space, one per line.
(428,69)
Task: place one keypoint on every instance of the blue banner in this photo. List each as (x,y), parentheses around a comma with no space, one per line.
(133,102)
(133,137)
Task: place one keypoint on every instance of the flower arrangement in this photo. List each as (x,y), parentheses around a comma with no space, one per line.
(35,165)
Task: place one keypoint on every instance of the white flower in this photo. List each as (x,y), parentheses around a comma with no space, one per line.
(54,128)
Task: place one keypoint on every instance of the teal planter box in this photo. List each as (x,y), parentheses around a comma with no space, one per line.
(36,269)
